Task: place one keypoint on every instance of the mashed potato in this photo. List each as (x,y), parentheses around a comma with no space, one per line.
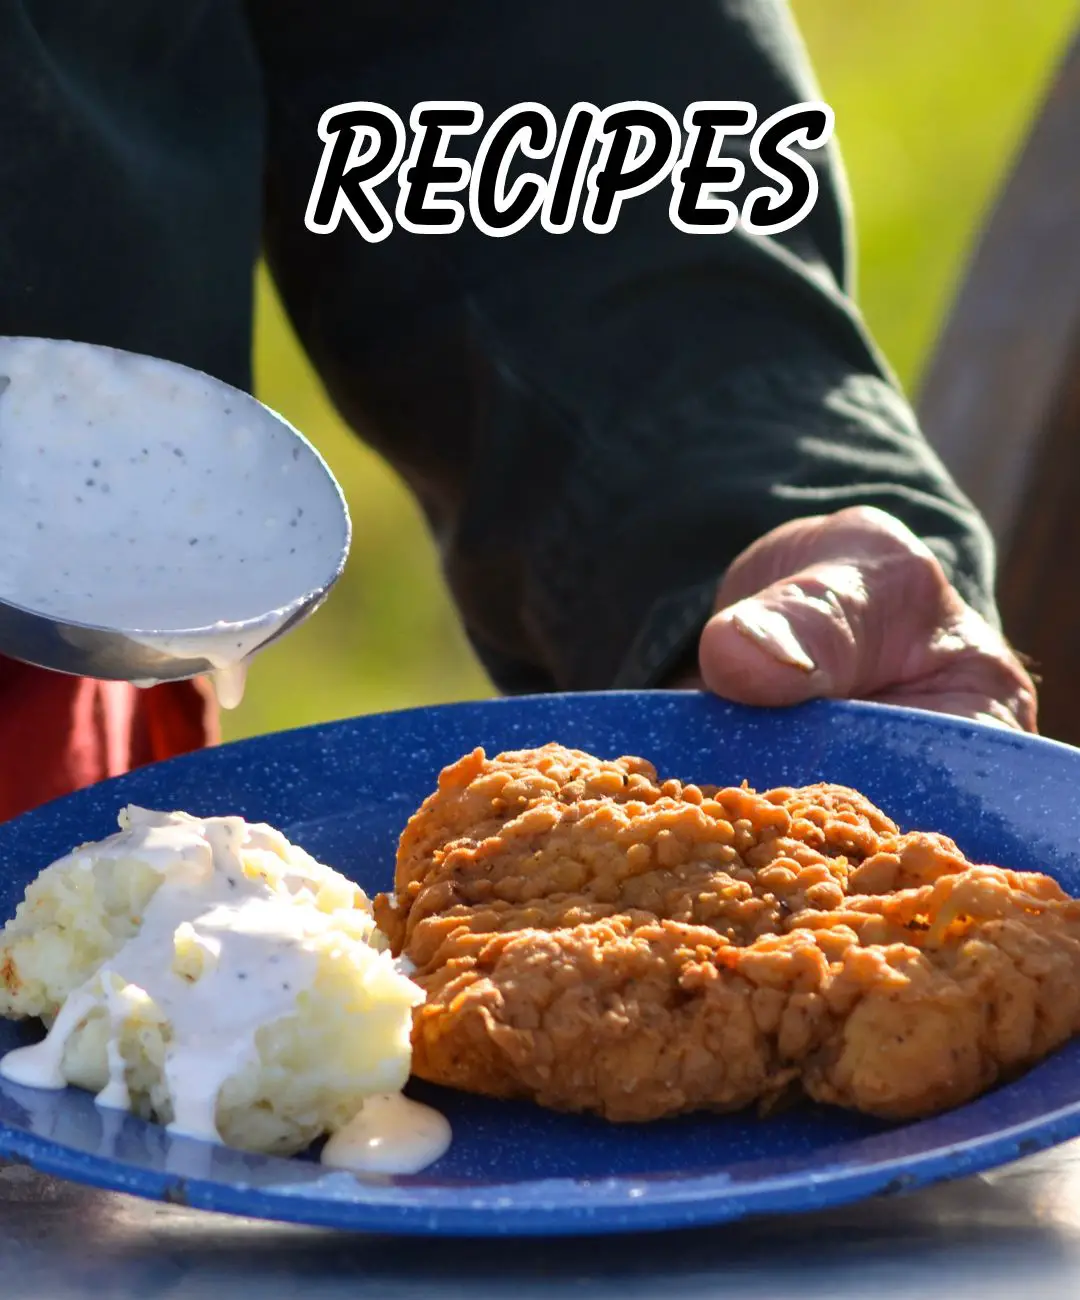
(209,975)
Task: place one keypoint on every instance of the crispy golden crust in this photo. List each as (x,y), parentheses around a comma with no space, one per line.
(598,940)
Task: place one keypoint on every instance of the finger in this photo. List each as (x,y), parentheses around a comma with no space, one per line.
(969,658)
(833,629)
(976,706)
(849,536)
(869,612)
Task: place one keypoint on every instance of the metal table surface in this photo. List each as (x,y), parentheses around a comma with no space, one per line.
(1017,1229)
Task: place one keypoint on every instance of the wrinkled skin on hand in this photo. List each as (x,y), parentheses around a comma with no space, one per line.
(853,605)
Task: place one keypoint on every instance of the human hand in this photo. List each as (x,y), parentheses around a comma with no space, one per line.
(854,606)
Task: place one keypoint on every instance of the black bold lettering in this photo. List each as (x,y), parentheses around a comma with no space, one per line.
(348,174)
(494,210)
(567,176)
(640,142)
(429,171)
(771,211)
(703,171)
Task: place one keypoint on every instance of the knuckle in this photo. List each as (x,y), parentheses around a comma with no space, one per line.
(869,517)
(873,534)
(877,523)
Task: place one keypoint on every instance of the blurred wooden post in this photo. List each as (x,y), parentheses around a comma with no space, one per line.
(1001,398)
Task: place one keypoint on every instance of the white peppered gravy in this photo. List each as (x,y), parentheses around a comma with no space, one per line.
(391,1135)
(254,968)
(147,498)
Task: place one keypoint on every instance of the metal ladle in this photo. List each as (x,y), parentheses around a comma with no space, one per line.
(155,523)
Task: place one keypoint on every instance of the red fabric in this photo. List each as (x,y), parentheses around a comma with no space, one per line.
(60,733)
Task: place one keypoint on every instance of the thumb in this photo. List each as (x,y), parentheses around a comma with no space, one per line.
(845,608)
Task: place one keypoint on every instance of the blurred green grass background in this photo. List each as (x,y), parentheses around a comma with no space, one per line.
(932,98)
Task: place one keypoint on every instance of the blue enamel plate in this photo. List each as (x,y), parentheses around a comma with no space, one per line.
(345,790)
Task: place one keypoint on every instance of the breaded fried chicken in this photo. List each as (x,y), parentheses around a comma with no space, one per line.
(596,939)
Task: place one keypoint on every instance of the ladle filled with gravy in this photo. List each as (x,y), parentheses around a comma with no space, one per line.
(155,523)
